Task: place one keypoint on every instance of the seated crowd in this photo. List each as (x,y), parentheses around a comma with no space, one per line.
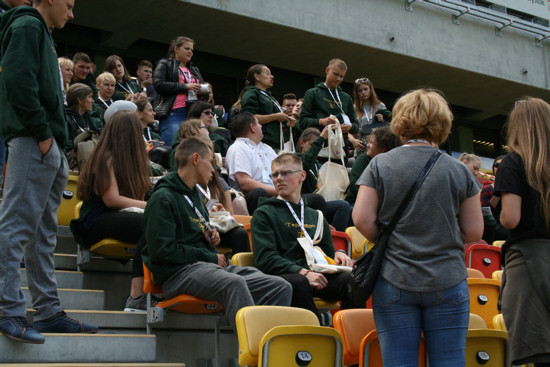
(273,154)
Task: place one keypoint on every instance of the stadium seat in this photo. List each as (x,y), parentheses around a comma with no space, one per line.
(484,298)
(184,303)
(488,348)
(285,336)
(498,243)
(108,247)
(483,257)
(247,259)
(243,219)
(357,241)
(341,241)
(474,273)
(476,322)
(497,275)
(353,325)
(66,211)
(370,354)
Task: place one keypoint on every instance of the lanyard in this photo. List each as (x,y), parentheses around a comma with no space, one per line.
(149,134)
(206,193)
(273,100)
(339,102)
(368,114)
(76,123)
(128,89)
(186,75)
(198,213)
(300,223)
(105,103)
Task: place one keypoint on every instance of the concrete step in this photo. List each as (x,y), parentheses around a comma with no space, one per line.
(65,278)
(68,262)
(81,299)
(65,241)
(121,321)
(82,348)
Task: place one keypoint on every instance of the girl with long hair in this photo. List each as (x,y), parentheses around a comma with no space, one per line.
(126,88)
(115,178)
(523,184)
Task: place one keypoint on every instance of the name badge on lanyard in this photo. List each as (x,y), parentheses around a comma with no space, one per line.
(345,117)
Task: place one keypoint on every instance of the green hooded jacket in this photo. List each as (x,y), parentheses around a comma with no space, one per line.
(311,165)
(275,233)
(174,233)
(318,104)
(31,102)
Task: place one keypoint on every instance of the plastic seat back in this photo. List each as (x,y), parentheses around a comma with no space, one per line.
(357,240)
(488,348)
(341,241)
(353,325)
(484,298)
(485,258)
(497,275)
(66,211)
(474,273)
(302,346)
(243,219)
(371,354)
(243,259)
(253,322)
(476,322)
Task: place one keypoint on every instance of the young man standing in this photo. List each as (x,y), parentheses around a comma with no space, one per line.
(32,122)
(277,224)
(144,75)
(328,101)
(180,249)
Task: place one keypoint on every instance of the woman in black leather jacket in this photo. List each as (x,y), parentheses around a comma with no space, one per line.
(178,84)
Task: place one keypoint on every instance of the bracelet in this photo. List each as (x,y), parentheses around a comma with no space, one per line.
(342,251)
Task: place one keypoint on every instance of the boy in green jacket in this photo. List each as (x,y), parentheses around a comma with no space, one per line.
(32,123)
(277,224)
(180,249)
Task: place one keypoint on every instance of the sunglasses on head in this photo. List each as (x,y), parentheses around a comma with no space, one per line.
(362,80)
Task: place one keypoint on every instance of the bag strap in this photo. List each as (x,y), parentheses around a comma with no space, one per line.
(319,230)
(412,191)
(282,138)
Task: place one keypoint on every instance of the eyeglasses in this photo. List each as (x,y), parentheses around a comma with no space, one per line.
(203,127)
(209,113)
(362,80)
(283,174)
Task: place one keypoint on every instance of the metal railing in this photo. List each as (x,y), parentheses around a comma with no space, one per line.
(501,20)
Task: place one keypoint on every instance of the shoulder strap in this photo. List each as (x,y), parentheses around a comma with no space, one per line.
(319,229)
(412,191)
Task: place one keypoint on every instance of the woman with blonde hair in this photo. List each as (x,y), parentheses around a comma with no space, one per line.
(66,65)
(523,183)
(472,161)
(422,283)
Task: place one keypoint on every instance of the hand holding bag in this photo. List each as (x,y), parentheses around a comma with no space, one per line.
(333,177)
(367,267)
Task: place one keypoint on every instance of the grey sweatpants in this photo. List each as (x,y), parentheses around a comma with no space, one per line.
(233,287)
(28,226)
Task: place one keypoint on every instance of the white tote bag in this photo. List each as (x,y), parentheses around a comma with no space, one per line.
(333,178)
(287,147)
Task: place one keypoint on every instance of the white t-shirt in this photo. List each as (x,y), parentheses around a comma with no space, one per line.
(244,155)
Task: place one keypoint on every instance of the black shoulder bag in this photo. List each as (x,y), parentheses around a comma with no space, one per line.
(367,267)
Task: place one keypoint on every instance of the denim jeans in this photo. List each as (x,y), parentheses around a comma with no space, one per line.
(339,214)
(171,124)
(401,316)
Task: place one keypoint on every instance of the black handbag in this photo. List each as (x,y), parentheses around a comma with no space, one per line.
(367,267)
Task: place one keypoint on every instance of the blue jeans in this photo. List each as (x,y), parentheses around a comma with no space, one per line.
(171,124)
(400,316)
(339,214)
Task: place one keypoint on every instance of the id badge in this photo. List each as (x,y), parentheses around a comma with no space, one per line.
(210,204)
(346,119)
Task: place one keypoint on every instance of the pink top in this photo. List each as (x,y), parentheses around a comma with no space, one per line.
(186,77)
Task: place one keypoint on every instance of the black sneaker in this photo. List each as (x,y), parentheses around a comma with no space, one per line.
(139,304)
(17,328)
(61,323)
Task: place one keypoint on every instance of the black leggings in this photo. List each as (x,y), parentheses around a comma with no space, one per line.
(121,226)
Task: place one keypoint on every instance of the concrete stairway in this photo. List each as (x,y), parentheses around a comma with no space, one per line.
(96,295)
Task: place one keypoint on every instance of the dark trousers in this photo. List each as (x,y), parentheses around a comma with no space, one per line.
(336,290)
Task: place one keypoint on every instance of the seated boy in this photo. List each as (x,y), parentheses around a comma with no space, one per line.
(180,249)
(276,225)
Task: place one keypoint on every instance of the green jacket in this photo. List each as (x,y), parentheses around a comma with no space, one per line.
(318,104)
(361,162)
(90,82)
(76,122)
(275,233)
(121,93)
(311,166)
(4,6)
(255,101)
(149,134)
(220,144)
(173,232)
(31,102)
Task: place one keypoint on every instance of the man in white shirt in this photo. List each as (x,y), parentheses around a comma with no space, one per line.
(248,160)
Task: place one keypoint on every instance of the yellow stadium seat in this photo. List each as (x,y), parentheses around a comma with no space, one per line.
(285,336)
(497,275)
(359,243)
(371,354)
(484,298)
(498,243)
(476,322)
(474,273)
(488,348)
(66,211)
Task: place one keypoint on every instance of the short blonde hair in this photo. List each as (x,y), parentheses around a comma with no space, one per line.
(288,158)
(422,114)
(105,77)
(338,63)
